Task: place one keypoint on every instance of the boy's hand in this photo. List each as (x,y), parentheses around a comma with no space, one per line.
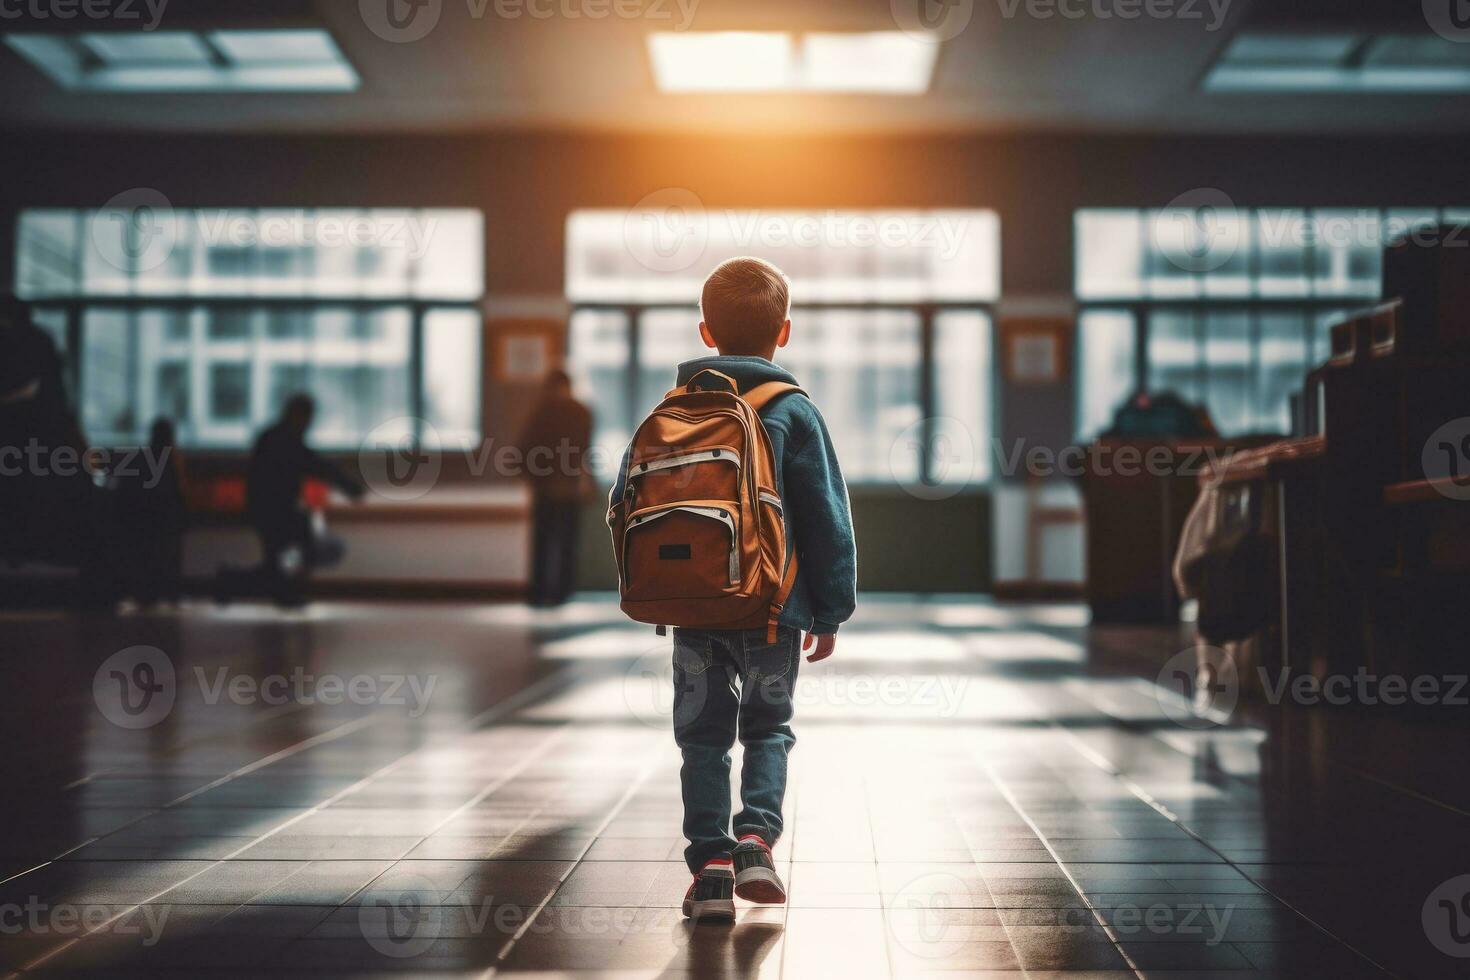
(826,646)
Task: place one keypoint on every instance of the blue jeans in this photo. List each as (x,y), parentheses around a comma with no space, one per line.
(729,683)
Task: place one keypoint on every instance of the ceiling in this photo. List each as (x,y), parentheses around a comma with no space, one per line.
(493,65)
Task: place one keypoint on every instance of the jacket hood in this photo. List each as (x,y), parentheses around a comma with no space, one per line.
(747,371)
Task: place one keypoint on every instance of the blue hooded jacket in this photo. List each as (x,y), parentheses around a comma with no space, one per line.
(814,497)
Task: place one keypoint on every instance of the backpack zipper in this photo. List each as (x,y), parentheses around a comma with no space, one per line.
(721,455)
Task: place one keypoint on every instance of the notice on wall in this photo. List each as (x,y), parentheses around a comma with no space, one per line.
(1035,349)
(524,357)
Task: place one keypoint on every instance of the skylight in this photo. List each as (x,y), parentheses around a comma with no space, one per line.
(1341,63)
(301,60)
(750,61)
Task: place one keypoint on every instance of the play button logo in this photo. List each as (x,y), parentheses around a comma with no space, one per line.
(1449,18)
(932,20)
(401,21)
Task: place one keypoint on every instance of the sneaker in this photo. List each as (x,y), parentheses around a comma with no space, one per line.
(755,873)
(711,894)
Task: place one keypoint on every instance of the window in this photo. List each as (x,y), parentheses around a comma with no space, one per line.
(1225,307)
(1346,63)
(215,317)
(892,313)
(278,60)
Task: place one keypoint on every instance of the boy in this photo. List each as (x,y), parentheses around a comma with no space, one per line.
(732,681)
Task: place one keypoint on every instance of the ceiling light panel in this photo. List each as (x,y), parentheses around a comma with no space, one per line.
(183,61)
(743,61)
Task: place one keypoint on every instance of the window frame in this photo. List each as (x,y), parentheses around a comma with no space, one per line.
(1310,306)
(74,309)
(926,312)
(74,302)
(1198,311)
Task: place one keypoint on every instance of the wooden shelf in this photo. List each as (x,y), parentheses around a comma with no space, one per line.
(1427,492)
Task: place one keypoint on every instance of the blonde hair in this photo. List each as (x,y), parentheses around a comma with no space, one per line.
(745,303)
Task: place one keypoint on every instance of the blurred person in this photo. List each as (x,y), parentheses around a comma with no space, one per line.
(32,390)
(280,463)
(49,508)
(553,446)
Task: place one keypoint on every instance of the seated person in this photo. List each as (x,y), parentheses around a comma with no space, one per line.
(279,464)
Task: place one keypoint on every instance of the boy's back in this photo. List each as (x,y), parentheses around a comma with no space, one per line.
(813,494)
(737,681)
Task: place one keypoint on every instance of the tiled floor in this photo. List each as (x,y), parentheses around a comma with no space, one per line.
(980,790)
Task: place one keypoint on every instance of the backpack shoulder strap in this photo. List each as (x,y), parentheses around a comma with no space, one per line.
(758,398)
(762,395)
(783,593)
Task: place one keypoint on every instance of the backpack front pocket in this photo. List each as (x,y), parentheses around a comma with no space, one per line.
(707,474)
(683,551)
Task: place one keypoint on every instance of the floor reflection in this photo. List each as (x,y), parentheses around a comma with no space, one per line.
(477,790)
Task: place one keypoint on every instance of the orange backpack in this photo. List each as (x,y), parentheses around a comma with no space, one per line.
(698,534)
